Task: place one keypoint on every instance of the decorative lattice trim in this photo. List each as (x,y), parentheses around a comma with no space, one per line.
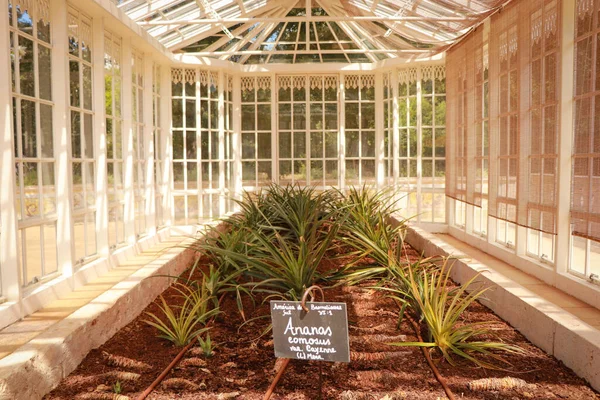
(256,83)
(85,31)
(584,7)
(367,81)
(359,81)
(331,82)
(352,81)
(433,72)
(176,75)
(503,46)
(247,83)
(536,27)
(204,78)
(40,8)
(190,76)
(43,10)
(478,60)
(298,82)
(295,82)
(284,82)
(327,82)
(228,83)
(550,22)
(407,75)
(263,82)
(513,42)
(73,25)
(486,57)
(112,47)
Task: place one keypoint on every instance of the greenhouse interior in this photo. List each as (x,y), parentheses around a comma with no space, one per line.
(173,169)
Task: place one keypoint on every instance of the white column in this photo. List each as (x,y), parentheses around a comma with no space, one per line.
(100,136)
(563,220)
(221,91)
(379,165)
(127,113)
(419,145)
(199,178)
(470,128)
(60,95)
(307,129)
(236,138)
(11,287)
(166,144)
(524,145)
(342,138)
(148,140)
(275,130)
(395,126)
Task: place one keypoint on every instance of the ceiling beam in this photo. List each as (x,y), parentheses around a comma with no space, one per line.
(210,29)
(346,51)
(261,38)
(238,20)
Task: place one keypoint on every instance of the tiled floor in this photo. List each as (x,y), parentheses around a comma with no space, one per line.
(21,332)
(568,303)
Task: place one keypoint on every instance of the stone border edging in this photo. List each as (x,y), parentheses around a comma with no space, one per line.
(546,325)
(37,367)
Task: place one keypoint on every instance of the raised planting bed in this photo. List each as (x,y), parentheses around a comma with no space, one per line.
(243,364)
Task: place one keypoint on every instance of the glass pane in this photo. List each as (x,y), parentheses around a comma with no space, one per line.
(331,144)
(48,188)
(177,113)
(89,137)
(285,145)
(316,145)
(190,114)
(43,30)
(79,237)
(368,144)
(87,87)
(75,134)
(285,116)
(28,129)
(352,116)
(299,145)
(367,116)
(74,83)
(264,117)
(30,182)
(248,118)
(191,146)
(32,253)
(248,145)
(299,116)
(192,175)
(45,72)
(89,184)
(264,145)
(46,130)
(331,117)
(352,144)
(26,66)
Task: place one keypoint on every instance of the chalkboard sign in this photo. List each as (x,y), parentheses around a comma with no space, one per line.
(318,335)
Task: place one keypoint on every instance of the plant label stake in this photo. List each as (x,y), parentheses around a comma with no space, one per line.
(317,331)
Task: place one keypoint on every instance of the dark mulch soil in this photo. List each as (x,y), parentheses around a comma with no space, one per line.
(244,365)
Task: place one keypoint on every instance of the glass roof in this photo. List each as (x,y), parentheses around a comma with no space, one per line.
(308,31)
